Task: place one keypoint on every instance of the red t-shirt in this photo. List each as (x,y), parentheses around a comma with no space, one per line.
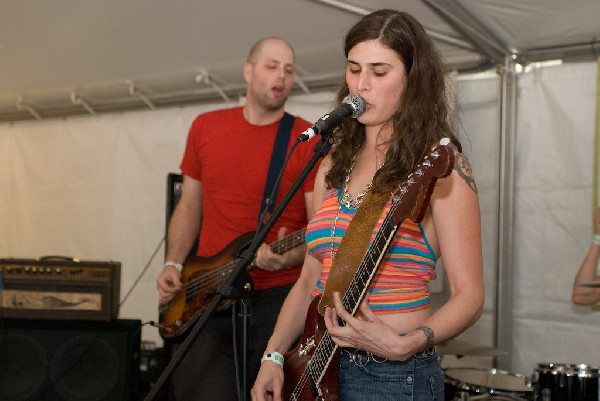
(231,158)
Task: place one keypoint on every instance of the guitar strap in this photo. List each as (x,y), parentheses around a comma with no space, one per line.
(277,158)
(354,246)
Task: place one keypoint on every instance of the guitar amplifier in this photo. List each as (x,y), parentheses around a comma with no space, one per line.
(59,288)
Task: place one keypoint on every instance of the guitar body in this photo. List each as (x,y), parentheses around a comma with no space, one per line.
(299,386)
(200,279)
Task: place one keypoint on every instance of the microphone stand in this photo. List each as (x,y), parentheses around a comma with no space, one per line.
(229,287)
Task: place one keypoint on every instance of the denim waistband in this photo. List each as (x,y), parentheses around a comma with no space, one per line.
(362,358)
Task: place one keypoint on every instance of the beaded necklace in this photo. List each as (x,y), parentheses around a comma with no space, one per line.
(347,198)
(347,201)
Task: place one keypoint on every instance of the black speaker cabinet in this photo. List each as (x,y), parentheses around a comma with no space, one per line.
(174,188)
(49,360)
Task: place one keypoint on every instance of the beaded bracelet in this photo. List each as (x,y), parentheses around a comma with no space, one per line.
(273,357)
(596,239)
(176,265)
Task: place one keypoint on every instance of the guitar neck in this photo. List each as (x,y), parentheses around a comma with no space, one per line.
(291,241)
(354,294)
(361,281)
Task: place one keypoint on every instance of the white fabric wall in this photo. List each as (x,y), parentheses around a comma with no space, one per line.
(94,187)
(554,155)
(478,132)
(553,216)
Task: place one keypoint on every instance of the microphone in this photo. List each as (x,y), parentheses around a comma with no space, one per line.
(352,105)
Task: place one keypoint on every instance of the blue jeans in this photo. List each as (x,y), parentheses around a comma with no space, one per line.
(419,378)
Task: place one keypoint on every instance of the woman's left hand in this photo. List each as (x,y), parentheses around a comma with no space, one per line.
(364,331)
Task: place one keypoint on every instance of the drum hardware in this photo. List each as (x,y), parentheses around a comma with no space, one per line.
(566,382)
(485,384)
(465,396)
(462,348)
(461,396)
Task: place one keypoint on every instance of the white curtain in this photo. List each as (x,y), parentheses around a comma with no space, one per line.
(94,187)
(553,213)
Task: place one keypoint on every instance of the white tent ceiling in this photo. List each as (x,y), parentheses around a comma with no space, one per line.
(64,57)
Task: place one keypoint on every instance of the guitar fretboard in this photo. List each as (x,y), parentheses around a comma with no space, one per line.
(292,241)
(326,348)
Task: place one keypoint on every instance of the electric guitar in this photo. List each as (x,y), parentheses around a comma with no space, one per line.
(202,276)
(307,377)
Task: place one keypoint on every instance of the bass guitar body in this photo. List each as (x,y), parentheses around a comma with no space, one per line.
(300,382)
(200,279)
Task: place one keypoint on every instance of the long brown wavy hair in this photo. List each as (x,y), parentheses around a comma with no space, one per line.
(420,121)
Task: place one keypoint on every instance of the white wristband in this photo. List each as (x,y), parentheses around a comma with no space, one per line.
(273,357)
(176,265)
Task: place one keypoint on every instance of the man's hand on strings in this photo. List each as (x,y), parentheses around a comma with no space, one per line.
(168,284)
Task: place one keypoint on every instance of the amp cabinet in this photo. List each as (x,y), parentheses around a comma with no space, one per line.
(59,288)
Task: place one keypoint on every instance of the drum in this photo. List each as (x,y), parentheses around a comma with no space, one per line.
(489,384)
(566,382)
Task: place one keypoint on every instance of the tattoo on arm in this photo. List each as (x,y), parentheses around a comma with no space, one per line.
(463,168)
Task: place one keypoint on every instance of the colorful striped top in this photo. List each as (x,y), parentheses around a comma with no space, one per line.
(401,281)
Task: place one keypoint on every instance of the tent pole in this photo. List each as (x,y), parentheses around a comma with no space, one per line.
(459,17)
(503,330)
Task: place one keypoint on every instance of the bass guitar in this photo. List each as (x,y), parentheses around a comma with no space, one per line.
(202,276)
(307,377)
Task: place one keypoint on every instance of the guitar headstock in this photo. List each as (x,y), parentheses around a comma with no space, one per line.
(412,197)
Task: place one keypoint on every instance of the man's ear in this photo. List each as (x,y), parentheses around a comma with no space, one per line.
(247,71)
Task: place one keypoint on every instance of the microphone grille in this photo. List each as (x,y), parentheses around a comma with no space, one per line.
(356,102)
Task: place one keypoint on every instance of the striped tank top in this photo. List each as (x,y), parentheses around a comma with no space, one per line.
(401,281)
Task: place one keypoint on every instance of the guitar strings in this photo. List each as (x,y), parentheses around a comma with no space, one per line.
(317,359)
(208,280)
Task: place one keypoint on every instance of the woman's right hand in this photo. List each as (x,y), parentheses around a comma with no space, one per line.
(269,383)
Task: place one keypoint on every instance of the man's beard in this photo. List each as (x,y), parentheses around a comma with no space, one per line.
(269,103)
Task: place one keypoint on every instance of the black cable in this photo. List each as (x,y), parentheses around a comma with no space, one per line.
(236,361)
(139,277)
